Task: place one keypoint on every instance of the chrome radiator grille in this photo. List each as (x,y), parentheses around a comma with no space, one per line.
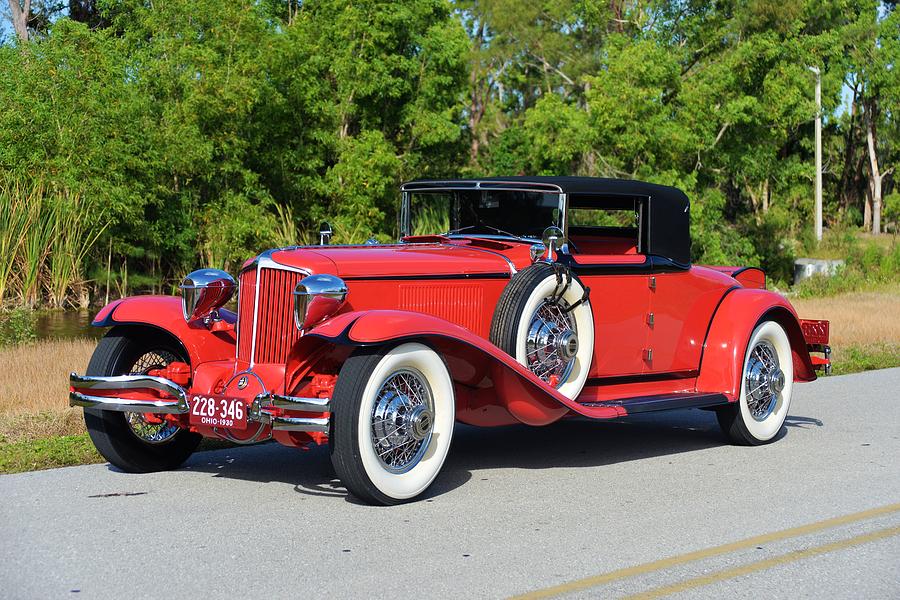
(266,328)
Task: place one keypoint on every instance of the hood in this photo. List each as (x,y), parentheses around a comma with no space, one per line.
(398,260)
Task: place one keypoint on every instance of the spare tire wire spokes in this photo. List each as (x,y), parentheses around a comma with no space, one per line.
(552,341)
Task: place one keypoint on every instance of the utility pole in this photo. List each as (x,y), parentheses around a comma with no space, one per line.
(818,152)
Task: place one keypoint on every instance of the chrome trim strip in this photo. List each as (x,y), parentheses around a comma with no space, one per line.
(265,260)
(255,315)
(563,215)
(512,266)
(404,215)
(265,400)
(504,186)
(237,323)
(173,407)
(306,424)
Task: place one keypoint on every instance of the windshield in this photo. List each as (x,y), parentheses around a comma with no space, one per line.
(493,213)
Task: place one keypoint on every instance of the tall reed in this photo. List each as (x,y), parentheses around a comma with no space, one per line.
(13,225)
(77,234)
(46,232)
(35,249)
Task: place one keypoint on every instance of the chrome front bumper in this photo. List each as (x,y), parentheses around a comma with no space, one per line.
(260,410)
(128,382)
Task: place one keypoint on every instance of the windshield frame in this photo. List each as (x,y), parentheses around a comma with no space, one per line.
(405,216)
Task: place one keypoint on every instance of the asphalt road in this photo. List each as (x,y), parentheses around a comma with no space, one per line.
(638,506)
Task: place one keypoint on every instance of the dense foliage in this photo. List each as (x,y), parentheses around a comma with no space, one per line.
(139,140)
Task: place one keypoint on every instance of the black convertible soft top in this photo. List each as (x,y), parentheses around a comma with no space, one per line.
(665,226)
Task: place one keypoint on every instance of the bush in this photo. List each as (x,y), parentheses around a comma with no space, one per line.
(17,326)
(890,213)
(867,265)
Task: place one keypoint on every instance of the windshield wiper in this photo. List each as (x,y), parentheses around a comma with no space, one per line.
(492,228)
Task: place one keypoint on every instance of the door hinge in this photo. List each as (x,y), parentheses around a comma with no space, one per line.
(652,283)
(650,319)
(648,354)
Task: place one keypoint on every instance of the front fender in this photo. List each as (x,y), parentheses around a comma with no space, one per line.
(164,313)
(722,363)
(488,376)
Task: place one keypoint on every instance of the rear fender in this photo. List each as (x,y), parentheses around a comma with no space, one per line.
(164,313)
(722,363)
(487,379)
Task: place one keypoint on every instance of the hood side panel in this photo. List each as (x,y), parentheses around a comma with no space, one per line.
(402,260)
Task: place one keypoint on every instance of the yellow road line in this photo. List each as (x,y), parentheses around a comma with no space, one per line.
(790,557)
(595,580)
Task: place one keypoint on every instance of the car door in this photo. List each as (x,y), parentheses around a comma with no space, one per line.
(620,300)
(681,306)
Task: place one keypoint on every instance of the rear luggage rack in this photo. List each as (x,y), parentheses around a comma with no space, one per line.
(816,333)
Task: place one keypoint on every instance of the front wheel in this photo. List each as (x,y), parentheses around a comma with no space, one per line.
(137,442)
(393,414)
(767,382)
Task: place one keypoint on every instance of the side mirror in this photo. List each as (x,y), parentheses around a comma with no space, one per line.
(324,233)
(552,239)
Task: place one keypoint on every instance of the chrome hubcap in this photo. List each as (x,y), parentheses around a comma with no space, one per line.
(402,420)
(552,342)
(764,381)
(151,428)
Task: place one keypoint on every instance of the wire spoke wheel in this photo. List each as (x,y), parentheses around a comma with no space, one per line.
(149,427)
(137,442)
(764,380)
(393,415)
(402,419)
(766,386)
(552,341)
(544,320)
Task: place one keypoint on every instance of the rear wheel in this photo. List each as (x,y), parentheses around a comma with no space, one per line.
(137,442)
(393,414)
(767,384)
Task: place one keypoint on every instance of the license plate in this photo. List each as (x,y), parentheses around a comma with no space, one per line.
(212,410)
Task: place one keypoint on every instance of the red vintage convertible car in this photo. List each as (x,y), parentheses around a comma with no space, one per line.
(513,300)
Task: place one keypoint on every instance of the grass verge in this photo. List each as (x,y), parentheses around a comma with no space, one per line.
(38,429)
(855,359)
(47,453)
(63,451)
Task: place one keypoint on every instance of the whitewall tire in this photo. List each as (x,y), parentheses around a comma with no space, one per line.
(544,320)
(393,413)
(767,384)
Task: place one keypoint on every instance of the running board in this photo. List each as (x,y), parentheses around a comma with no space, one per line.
(643,404)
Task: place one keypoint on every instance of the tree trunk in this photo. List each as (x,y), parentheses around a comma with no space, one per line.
(20,14)
(480,91)
(867,208)
(846,191)
(874,172)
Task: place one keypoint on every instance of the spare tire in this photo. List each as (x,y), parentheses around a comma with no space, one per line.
(544,320)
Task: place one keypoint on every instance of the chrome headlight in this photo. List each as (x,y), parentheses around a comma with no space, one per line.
(537,251)
(316,298)
(205,291)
